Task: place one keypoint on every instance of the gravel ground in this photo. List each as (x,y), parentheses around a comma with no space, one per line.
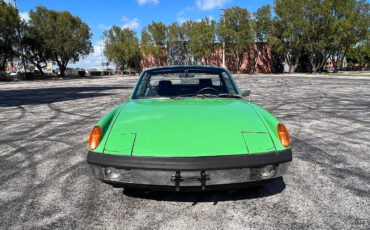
(45,181)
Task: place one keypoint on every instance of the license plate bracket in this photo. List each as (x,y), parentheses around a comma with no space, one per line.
(202,178)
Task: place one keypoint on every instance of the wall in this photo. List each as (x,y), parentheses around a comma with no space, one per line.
(180,55)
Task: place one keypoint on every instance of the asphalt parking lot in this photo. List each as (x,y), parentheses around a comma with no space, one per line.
(45,181)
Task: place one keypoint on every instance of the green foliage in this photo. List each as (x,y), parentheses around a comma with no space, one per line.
(63,38)
(203,38)
(350,22)
(236,30)
(122,47)
(158,33)
(318,28)
(263,23)
(9,24)
(154,39)
(286,39)
(34,46)
(147,44)
(187,27)
(360,54)
(178,33)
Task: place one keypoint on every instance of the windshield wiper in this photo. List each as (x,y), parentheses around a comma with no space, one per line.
(225,95)
(229,95)
(205,95)
(176,97)
(194,95)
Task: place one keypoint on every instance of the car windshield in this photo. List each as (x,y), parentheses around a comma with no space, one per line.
(174,83)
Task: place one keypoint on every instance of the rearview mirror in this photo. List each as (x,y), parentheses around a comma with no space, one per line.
(246,92)
(186,75)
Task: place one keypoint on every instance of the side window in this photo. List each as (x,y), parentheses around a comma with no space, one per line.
(229,85)
(142,86)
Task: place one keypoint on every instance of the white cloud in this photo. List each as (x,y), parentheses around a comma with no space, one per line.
(210,4)
(180,18)
(142,2)
(94,59)
(128,23)
(24,16)
(132,24)
(104,27)
(180,15)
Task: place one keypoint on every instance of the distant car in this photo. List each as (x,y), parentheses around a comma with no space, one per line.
(188,127)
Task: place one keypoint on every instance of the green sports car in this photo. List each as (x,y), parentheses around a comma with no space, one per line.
(188,127)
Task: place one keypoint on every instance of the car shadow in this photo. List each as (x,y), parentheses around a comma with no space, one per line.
(275,187)
(20,97)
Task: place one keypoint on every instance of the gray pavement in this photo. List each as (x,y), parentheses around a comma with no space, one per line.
(46,184)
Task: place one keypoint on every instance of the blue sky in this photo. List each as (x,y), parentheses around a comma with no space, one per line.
(136,14)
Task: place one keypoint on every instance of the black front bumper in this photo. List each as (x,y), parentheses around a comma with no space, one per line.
(179,172)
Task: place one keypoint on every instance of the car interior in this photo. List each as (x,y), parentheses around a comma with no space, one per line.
(174,84)
(165,88)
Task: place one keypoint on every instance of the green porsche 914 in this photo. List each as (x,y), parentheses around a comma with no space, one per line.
(188,127)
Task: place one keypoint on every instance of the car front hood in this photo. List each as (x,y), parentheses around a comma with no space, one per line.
(187,128)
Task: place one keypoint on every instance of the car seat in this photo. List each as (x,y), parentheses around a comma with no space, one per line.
(165,88)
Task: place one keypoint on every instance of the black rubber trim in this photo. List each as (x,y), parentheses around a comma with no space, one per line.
(167,188)
(189,163)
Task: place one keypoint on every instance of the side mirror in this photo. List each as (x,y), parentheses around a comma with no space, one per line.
(246,92)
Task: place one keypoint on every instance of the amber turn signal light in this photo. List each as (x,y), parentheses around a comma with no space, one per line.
(283,134)
(94,137)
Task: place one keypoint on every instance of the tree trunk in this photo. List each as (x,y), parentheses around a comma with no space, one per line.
(39,67)
(2,67)
(315,66)
(240,62)
(62,70)
(62,64)
(335,66)
(23,62)
(238,66)
(314,69)
(252,58)
(293,67)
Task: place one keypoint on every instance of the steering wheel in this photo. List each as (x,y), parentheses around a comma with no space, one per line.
(210,89)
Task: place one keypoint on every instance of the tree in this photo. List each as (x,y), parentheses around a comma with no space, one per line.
(178,50)
(154,39)
(9,23)
(332,27)
(350,22)
(321,29)
(286,39)
(360,54)
(176,33)
(122,47)
(236,30)
(263,26)
(36,50)
(158,32)
(187,27)
(64,35)
(202,42)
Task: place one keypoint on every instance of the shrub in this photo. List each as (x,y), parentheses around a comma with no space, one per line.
(81,73)
(95,73)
